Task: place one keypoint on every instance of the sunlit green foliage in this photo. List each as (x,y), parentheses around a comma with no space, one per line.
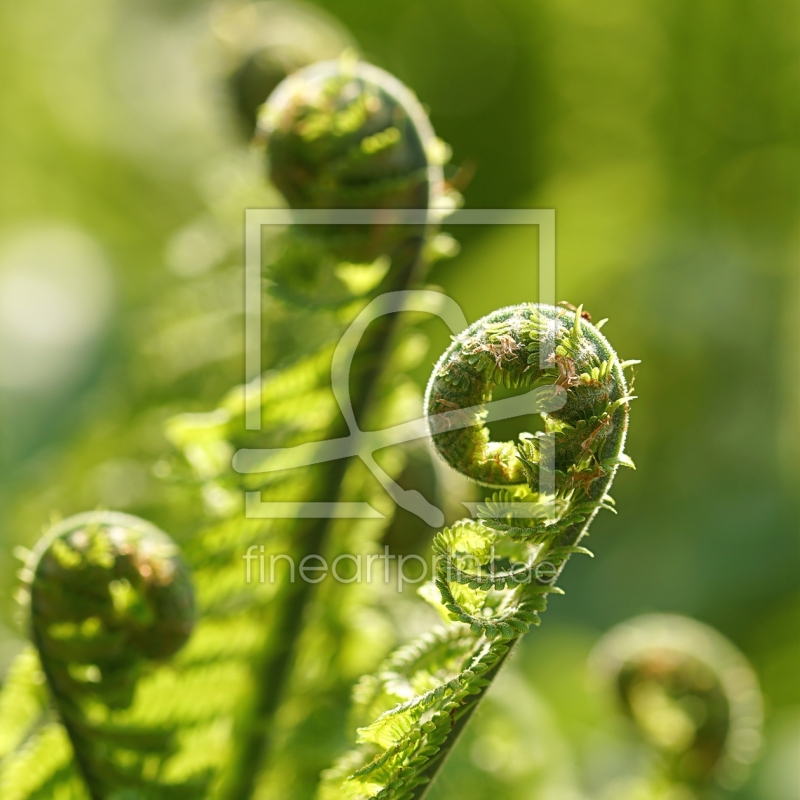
(664,135)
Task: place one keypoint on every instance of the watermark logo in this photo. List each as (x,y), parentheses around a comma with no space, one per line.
(364,444)
(385,567)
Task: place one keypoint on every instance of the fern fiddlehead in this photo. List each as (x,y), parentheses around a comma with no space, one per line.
(691,695)
(347,135)
(522,347)
(489,576)
(107,593)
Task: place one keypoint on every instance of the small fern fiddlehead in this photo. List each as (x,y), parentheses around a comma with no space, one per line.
(107,593)
(692,696)
(347,135)
(489,571)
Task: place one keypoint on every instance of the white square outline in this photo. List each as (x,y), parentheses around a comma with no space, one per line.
(544,218)
(255,218)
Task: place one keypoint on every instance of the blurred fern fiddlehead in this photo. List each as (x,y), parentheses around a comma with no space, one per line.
(691,695)
(107,594)
(493,574)
(347,135)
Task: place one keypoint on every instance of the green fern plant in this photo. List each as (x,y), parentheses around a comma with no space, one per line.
(212,714)
(319,126)
(490,583)
(233,713)
(107,595)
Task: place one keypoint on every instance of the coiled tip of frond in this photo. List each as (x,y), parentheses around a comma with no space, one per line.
(106,589)
(690,692)
(346,134)
(574,381)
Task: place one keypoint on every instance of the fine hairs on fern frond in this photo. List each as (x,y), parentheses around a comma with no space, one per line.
(108,595)
(494,573)
(691,694)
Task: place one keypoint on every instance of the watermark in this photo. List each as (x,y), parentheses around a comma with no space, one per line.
(386,567)
(364,444)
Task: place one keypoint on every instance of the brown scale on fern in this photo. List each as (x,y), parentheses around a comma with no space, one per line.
(505,349)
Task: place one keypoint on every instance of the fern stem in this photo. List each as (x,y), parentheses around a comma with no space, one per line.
(291,604)
(80,746)
(438,762)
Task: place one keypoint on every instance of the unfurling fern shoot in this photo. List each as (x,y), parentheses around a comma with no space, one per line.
(346,135)
(107,594)
(489,576)
(337,135)
(692,696)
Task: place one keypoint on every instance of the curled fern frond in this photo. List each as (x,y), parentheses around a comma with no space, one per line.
(107,593)
(494,573)
(291,623)
(520,542)
(527,346)
(346,135)
(691,694)
(108,589)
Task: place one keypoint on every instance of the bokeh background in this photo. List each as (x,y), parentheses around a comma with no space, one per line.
(666,135)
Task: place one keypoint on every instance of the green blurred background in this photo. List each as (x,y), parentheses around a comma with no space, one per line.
(666,135)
